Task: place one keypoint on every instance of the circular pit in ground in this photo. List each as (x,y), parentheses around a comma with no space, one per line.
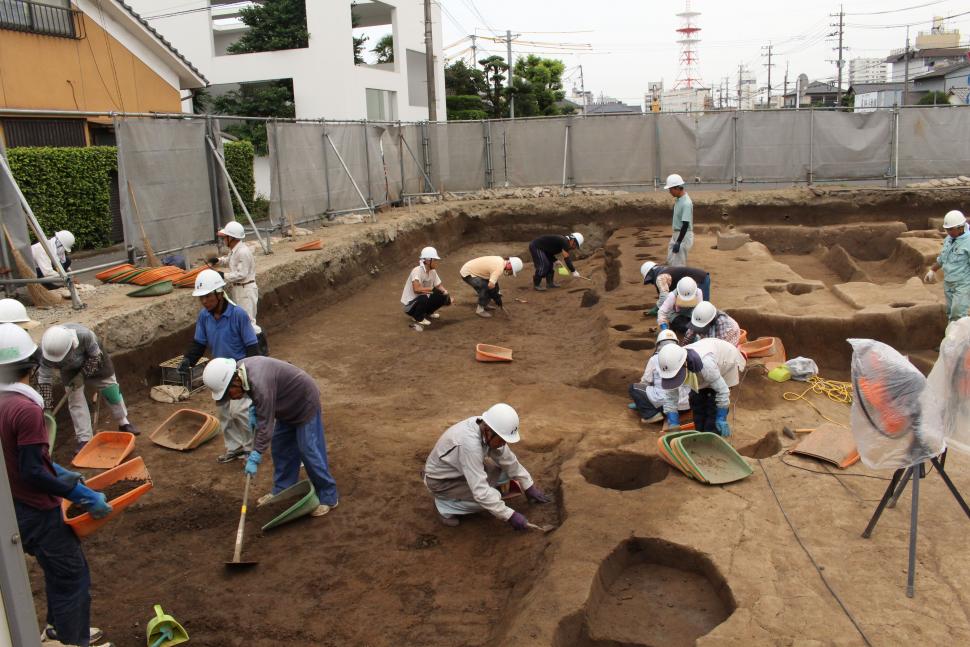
(618,470)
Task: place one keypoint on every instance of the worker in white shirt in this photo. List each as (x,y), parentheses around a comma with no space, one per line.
(61,244)
(470,461)
(240,276)
(423,291)
(648,396)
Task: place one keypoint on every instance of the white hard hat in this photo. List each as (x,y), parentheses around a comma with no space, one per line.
(954,219)
(234,230)
(702,315)
(504,421)
(516,264)
(645,269)
(15,344)
(687,296)
(578,237)
(673,180)
(666,335)
(217,375)
(57,342)
(66,239)
(207,281)
(13,311)
(672,361)
(430,253)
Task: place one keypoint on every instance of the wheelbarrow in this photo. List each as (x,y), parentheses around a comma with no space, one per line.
(163,630)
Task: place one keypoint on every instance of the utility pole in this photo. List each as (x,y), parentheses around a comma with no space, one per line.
(429,62)
(906,73)
(840,49)
(740,72)
(786,85)
(726,82)
(474,52)
(508,42)
(582,88)
(769,65)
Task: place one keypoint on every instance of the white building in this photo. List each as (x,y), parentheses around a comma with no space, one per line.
(936,47)
(867,70)
(326,81)
(686,100)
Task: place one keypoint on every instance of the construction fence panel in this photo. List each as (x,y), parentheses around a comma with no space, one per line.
(934,142)
(385,175)
(464,168)
(348,140)
(612,151)
(715,137)
(410,157)
(166,165)
(298,189)
(678,144)
(535,148)
(14,217)
(851,145)
(774,145)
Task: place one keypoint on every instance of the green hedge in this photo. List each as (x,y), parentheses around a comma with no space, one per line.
(69,188)
(460,102)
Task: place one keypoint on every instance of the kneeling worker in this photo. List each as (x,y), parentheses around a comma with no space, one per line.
(288,415)
(483,274)
(710,367)
(648,396)
(423,292)
(707,321)
(470,459)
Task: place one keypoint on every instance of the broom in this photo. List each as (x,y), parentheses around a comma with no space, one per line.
(41,296)
(149,252)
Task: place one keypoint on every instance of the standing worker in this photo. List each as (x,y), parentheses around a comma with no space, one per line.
(227,331)
(483,273)
(648,396)
(544,250)
(74,351)
(683,222)
(287,404)
(954,260)
(710,367)
(423,292)
(665,279)
(675,312)
(61,244)
(37,485)
(470,459)
(707,321)
(240,276)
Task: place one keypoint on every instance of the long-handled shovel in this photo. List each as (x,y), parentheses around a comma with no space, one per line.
(236,564)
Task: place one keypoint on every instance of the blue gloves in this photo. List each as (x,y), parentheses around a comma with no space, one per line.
(94,502)
(676,248)
(252,463)
(673,421)
(536,495)
(664,326)
(252,417)
(518,521)
(723,427)
(67,477)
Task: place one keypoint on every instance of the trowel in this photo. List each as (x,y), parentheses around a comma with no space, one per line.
(544,528)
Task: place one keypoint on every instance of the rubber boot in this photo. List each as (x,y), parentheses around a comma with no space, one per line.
(538,287)
(551,280)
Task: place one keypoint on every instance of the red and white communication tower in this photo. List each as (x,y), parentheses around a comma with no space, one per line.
(688,47)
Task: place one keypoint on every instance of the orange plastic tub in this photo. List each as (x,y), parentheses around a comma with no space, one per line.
(309,247)
(489,353)
(760,347)
(157,274)
(743,339)
(111,271)
(105,450)
(172,434)
(84,524)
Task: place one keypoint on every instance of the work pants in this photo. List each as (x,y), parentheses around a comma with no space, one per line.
(680,324)
(957,300)
(426,304)
(485,294)
(703,405)
(454,497)
(67,581)
(247,298)
(77,404)
(645,407)
(680,258)
(306,443)
(543,263)
(234,420)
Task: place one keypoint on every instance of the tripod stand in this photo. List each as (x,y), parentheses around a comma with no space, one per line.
(900,478)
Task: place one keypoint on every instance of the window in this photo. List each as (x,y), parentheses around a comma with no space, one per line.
(45,17)
(381,105)
(372,26)
(44,132)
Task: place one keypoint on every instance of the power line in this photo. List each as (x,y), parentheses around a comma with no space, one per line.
(879,13)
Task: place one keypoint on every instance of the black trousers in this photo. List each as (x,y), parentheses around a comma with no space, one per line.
(543,263)
(704,407)
(425,304)
(485,295)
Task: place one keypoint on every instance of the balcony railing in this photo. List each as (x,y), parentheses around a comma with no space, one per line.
(39,18)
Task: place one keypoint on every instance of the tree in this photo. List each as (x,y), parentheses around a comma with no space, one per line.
(493,68)
(537,86)
(270,99)
(358,40)
(464,81)
(273,25)
(934,99)
(385,49)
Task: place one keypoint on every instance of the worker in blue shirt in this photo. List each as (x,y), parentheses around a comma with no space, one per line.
(227,331)
(954,260)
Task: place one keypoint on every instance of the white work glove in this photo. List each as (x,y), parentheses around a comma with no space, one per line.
(929,277)
(576,275)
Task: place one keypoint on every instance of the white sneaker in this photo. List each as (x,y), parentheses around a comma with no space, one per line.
(481,312)
(263,500)
(323,509)
(654,418)
(435,315)
(50,635)
(424,322)
(416,327)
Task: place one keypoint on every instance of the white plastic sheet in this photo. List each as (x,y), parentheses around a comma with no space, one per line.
(946,400)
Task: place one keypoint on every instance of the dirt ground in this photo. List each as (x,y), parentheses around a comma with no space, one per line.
(637,560)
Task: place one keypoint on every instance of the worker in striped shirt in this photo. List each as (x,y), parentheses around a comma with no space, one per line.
(706,321)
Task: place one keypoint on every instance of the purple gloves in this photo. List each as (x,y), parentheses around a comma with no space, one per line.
(518,521)
(536,495)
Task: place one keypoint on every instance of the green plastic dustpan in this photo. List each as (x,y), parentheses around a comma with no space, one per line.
(154,289)
(51,425)
(713,458)
(163,630)
(126,277)
(304,501)
(681,456)
(562,271)
(665,446)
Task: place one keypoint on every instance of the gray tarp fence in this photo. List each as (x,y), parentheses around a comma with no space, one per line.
(14,217)
(934,142)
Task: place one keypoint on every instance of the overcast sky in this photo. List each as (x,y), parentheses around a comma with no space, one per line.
(634,42)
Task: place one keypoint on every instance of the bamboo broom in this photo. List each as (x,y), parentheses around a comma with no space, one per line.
(41,296)
(149,252)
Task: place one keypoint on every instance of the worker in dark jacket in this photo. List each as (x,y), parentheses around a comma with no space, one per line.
(666,277)
(544,250)
(38,485)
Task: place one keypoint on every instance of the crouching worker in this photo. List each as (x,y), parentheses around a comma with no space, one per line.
(423,292)
(74,352)
(707,321)
(470,460)
(483,274)
(288,415)
(38,485)
(710,367)
(648,396)
(675,312)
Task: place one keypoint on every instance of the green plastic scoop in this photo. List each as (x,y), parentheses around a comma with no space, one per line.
(164,631)
(302,499)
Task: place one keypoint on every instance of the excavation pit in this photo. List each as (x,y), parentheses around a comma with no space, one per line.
(624,471)
(636,344)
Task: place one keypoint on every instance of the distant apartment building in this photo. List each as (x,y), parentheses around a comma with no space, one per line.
(934,48)
(327,80)
(867,70)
